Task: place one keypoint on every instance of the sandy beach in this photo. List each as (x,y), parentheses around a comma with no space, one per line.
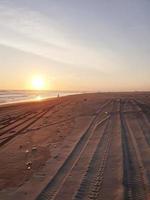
(85,146)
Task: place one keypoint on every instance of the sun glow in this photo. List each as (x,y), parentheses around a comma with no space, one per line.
(38,83)
(38,98)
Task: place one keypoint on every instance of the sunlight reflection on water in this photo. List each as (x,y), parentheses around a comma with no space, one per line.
(39,98)
(14,96)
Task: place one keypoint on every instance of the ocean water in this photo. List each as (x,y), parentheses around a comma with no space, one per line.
(13,96)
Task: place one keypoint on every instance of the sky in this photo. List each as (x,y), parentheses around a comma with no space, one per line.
(81,45)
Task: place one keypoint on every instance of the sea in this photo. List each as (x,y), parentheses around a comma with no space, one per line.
(14,96)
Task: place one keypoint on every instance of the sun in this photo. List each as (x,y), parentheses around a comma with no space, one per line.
(38,83)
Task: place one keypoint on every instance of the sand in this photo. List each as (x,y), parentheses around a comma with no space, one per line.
(37,138)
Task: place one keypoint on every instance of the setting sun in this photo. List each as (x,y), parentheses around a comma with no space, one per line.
(38,83)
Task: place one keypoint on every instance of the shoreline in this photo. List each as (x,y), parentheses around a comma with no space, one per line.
(35,100)
(10,97)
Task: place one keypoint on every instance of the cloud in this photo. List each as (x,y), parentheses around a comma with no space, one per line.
(32,24)
(31,31)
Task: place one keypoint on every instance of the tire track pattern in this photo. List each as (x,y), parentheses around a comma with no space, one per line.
(133,179)
(142,121)
(28,123)
(90,186)
(51,189)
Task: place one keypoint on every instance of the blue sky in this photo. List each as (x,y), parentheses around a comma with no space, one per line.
(94,45)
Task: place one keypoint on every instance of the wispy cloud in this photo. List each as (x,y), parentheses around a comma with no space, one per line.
(32,24)
(31,31)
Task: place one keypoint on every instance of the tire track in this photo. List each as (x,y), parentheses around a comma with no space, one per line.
(23,126)
(14,120)
(91,184)
(133,179)
(51,189)
(142,121)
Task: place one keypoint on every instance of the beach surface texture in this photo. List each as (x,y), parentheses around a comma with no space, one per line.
(84,146)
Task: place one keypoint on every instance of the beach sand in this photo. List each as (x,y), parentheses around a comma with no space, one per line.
(37,137)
